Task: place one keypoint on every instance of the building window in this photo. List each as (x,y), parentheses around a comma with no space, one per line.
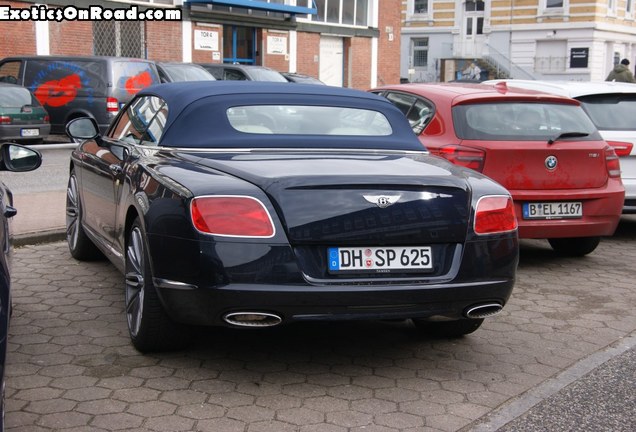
(420,6)
(345,12)
(553,4)
(629,8)
(611,7)
(474,6)
(419,53)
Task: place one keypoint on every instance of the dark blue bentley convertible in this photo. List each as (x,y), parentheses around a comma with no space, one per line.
(256,204)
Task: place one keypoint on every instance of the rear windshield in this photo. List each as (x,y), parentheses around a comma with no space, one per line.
(521,121)
(611,111)
(16,97)
(132,76)
(308,120)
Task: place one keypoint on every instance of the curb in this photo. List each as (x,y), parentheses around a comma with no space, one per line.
(33,238)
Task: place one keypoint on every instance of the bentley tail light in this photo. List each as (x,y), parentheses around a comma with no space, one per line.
(612,162)
(112,104)
(621,148)
(231,216)
(468,157)
(495,214)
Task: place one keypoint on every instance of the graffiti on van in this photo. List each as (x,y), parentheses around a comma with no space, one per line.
(60,83)
(56,93)
(135,83)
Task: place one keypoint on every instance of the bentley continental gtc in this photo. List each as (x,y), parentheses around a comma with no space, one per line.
(257,204)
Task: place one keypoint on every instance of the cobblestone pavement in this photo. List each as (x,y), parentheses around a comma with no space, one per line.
(71,366)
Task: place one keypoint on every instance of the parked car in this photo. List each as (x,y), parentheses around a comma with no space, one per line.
(563,177)
(238,72)
(329,211)
(175,72)
(301,78)
(80,86)
(14,157)
(22,118)
(611,106)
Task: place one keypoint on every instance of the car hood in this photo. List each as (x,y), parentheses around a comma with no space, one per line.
(357,197)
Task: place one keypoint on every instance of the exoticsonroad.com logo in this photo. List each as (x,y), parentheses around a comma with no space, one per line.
(91,13)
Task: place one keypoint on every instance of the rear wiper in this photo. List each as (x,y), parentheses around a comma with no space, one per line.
(568,135)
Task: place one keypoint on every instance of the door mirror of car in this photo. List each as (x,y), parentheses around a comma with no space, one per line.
(83,128)
(19,158)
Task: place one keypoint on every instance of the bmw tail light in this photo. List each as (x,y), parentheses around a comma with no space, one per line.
(612,162)
(5,120)
(231,216)
(495,214)
(112,104)
(468,157)
(621,148)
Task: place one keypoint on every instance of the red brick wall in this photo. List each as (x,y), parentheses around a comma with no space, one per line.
(71,38)
(164,41)
(389,50)
(308,50)
(280,62)
(358,58)
(18,37)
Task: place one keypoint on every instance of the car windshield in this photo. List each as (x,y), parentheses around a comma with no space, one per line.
(259,74)
(187,73)
(16,97)
(308,120)
(521,121)
(611,111)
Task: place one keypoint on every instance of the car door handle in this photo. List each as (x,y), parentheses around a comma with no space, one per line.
(9,212)
(116,169)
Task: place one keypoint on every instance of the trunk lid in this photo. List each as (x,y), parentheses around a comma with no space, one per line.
(357,198)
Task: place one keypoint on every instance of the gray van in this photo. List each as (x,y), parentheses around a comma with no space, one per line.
(80,86)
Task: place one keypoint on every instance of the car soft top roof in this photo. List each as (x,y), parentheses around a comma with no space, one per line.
(197,114)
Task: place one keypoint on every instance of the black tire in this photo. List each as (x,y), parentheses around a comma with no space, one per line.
(149,326)
(574,247)
(448,329)
(80,246)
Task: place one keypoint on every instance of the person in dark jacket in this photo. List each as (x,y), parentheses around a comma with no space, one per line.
(621,73)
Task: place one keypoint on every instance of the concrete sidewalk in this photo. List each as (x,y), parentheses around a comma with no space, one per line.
(41,217)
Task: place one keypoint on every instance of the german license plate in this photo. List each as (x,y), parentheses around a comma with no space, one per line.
(29,132)
(380,259)
(553,210)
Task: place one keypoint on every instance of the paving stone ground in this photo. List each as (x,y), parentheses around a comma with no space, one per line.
(71,366)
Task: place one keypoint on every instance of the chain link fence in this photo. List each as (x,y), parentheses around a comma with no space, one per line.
(119,38)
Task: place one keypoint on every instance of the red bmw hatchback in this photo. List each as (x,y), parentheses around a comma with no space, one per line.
(564,178)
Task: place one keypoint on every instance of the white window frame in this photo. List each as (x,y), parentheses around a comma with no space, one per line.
(412,16)
(559,10)
(629,9)
(612,6)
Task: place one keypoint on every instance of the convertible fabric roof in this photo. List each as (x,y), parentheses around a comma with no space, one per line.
(197,115)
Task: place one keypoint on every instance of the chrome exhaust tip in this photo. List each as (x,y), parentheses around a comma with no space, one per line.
(483,310)
(252,319)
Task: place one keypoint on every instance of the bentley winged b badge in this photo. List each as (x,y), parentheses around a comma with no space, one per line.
(382,201)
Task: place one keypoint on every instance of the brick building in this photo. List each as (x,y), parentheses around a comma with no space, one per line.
(351,43)
(577,40)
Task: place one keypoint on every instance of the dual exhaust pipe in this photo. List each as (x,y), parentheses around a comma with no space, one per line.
(266,319)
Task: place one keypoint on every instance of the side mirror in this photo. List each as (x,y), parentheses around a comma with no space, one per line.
(19,158)
(83,128)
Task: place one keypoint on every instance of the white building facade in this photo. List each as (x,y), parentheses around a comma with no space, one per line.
(542,39)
